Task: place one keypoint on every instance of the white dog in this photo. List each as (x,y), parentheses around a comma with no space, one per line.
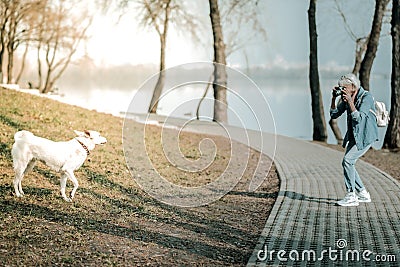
(63,157)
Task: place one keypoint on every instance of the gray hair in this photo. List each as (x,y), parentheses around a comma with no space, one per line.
(349,78)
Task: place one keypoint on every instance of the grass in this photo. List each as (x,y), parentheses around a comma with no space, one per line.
(112,221)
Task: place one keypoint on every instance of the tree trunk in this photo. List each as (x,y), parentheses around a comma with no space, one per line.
(319,124)
(361,48)
(220,75)
(21,70)
(10,65)
(392,137)
(372,47)
(1,65)
(10,55)
(336,130)
(40,77)
(4,17)
(2,51)
(47,84)
(11,35)
(161,79)
(161,76)
(204,96)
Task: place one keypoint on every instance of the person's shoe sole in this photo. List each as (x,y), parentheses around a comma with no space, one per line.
(351,204)
(364,200)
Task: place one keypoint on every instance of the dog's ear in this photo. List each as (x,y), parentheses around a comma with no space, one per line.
(87,133)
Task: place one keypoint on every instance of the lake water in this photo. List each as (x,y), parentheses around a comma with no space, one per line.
(286,107)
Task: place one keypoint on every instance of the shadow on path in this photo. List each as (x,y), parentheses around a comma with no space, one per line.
(302,197)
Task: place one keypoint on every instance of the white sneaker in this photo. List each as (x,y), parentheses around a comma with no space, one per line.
(349,200)
(363,196)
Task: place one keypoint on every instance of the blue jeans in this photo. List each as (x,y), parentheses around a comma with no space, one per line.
(351,178)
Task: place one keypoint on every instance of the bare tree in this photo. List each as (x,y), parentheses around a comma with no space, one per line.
(13,32)
(372,47)
(52,25)
(30,28)
(59,37)
(159,15)
(319,124)
(392,137)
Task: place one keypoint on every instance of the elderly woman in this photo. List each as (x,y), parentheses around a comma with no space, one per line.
(362,132)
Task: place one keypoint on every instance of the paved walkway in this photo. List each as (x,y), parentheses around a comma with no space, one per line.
(305,223)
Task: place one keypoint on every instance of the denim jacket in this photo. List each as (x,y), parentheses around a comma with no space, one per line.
(361,123)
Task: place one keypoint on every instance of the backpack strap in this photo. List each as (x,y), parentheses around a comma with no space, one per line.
(358,103)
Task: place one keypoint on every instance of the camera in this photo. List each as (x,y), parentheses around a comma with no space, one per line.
(338,91)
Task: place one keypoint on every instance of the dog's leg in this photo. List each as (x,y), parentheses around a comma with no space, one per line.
(20,167)
(28,168)
(20,187)
(63,183)
(74,181)
(17,182)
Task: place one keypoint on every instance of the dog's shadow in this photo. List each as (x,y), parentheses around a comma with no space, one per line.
(28,190)
(52,177)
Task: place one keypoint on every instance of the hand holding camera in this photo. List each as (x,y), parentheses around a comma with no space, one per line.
(343,92)
(337,91)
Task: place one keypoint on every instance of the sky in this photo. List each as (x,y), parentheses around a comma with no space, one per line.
(120,41)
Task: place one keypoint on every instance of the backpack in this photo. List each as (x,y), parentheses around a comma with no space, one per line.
(380,113)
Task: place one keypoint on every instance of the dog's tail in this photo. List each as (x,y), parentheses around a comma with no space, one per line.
(21,135)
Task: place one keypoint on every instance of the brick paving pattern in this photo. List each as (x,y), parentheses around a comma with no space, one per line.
(306,218)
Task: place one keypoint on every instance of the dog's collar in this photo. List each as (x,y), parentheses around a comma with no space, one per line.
(84,146)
